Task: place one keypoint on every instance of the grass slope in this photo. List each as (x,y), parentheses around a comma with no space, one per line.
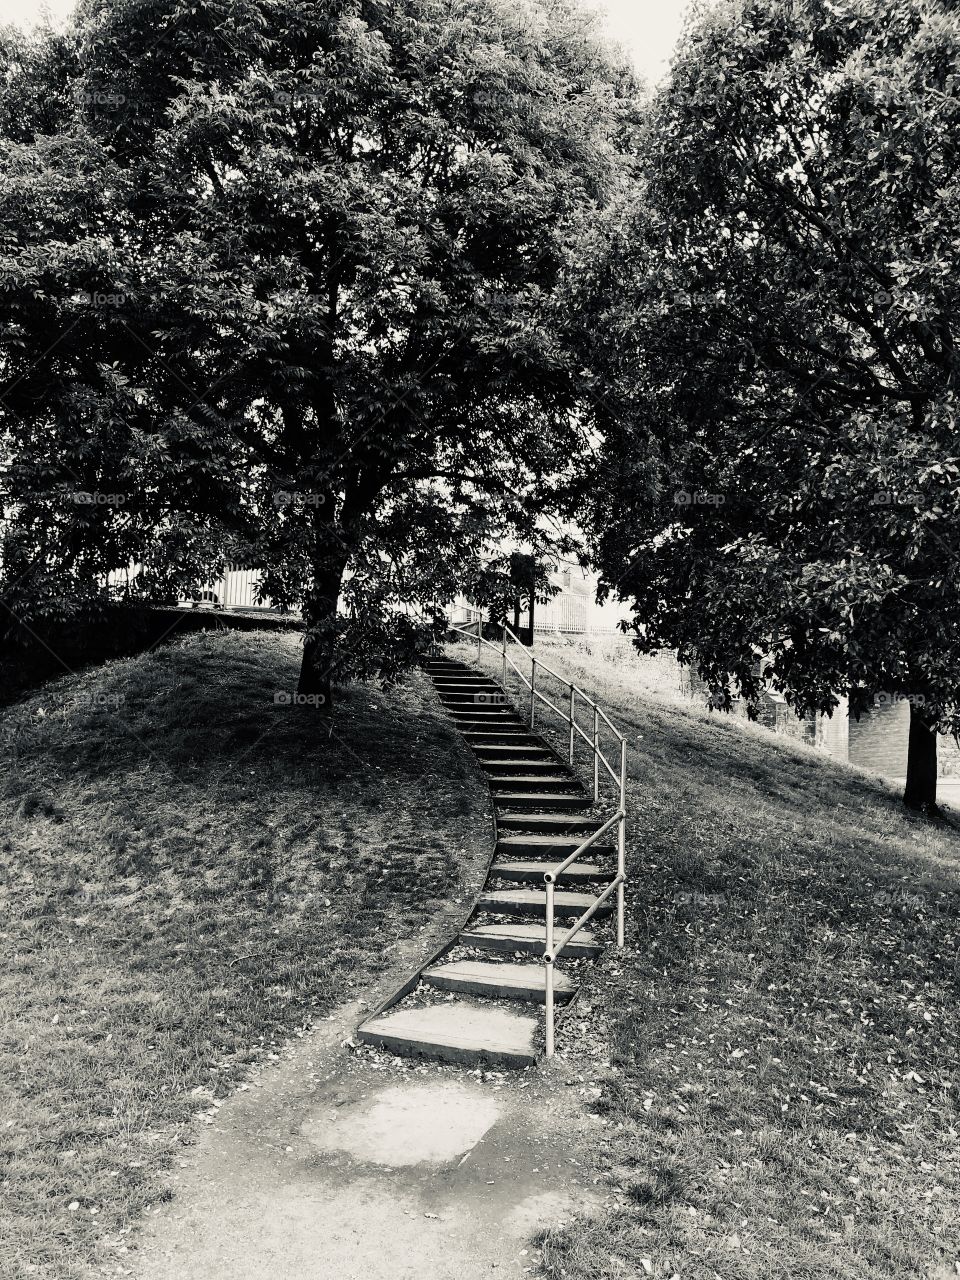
(777,1048)
(189,873)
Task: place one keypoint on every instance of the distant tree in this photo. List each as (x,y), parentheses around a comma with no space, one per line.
(779,496)
(325,254)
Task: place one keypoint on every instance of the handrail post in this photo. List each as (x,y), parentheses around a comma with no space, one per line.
(596,755)
(533,690)
(622,843)
(479,636)
(573,711)
(548,971)
(504,634)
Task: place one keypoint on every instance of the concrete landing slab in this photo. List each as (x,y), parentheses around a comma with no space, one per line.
(408,1124)
(269,1193)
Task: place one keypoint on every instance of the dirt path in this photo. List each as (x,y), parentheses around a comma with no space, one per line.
(338,1164)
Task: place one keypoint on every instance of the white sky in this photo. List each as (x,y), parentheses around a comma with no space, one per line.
(648,28)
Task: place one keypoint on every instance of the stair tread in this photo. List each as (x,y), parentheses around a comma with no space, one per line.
(459,1031)
(522,731)
(539,797)
(500,975)
(561,897)
(584,821)
(523,936)
(515,731)
(493,725)
(579,870)
(561,776)
(539,841)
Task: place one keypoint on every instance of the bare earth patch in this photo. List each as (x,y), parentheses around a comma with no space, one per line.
(345,1164)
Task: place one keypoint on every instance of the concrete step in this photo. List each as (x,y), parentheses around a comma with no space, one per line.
(486,737)
(454,702)
(528,768)
(486,978)
(533,902)
(453,686)
(456,1032)
(486,718)
(483,709)
(532,872)
(453,683)
(554,847)
(538,801)
(491,726)
(545,822)
(528,938)
(513,752)
(489,691)
(559,786)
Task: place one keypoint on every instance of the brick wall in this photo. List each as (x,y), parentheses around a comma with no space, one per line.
(776,714)
(878,740)
(833,732)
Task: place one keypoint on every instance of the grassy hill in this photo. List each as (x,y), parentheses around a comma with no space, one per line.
(188,873)
(778,1049)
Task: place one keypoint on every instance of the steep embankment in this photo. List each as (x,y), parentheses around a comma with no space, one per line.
(188,873)
(777,1049)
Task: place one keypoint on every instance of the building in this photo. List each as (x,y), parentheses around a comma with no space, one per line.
(574,610)
(876,742)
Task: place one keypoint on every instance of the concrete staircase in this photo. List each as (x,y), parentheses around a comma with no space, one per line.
(456,1008)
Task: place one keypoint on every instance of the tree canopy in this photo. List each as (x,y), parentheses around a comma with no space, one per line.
(283,282)
(780,489)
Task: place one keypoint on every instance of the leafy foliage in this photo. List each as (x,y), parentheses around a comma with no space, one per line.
(781,458)
(326,244)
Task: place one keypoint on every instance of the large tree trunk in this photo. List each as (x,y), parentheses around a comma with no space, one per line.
(921,789)
(315,686)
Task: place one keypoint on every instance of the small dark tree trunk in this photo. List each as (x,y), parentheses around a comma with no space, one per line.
(315,686)
(921,789)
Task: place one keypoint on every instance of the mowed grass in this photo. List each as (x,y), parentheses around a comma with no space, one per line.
(777,1047)
(189,874)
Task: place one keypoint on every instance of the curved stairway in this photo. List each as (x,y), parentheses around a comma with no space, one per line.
(542,815)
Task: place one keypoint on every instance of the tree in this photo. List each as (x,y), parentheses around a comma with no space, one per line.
(332,238)
(780,488)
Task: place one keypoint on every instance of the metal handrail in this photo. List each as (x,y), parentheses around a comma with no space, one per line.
(553,950)
(554,875)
